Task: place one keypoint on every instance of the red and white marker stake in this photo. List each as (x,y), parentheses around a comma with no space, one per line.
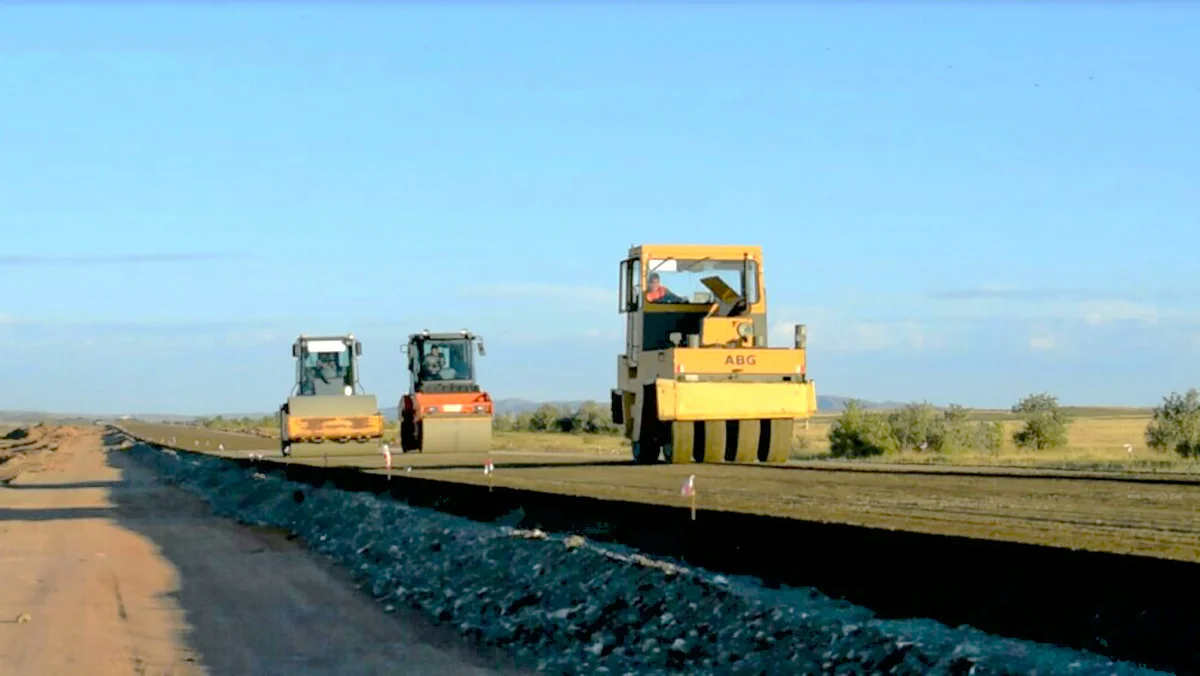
(489,469)
(689,491)
(387,459)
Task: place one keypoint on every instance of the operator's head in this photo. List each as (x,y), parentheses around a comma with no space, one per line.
(652,282)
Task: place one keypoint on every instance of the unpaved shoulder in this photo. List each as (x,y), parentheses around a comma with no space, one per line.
(111,572)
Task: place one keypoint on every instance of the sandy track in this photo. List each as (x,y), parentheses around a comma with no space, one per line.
(119,574)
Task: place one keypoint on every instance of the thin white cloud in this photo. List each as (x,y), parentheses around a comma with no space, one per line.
(1097,313)
(604,335)
(151,336)
(1091,308)
(852,336)
(1042,343)
(544,292)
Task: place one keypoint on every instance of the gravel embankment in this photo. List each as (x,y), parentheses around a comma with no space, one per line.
(565,605)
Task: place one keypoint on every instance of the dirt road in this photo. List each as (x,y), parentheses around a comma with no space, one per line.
(104,570)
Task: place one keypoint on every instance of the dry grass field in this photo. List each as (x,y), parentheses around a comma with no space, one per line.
(1097,440)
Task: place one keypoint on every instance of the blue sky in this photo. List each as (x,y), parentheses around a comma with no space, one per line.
(964,203)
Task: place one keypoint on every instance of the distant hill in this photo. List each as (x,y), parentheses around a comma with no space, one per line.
(515,406)
(512,405)
(84,418)
(832,404)
(23,417)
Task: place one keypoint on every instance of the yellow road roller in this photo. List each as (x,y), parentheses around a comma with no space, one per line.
(698,381)
(328,414)
(445,409)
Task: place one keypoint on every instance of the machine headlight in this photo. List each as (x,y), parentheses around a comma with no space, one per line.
(431,409)
(348,390)
(745,329)
(480,409)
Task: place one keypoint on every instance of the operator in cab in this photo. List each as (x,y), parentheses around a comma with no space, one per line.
(329,371)
(432,363)
(327,367)
(657,293)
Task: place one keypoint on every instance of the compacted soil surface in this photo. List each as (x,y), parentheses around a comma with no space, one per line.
(1078,510)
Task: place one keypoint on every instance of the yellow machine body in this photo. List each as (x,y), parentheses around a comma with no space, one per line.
(698,381)
(327,413)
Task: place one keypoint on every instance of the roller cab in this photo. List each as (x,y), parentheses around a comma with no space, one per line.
(445,410)
(698,381)
(327,413)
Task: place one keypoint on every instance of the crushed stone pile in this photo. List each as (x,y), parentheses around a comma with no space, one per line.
(565,605)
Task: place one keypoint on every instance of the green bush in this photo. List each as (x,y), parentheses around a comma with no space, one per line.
(243,424)
(858,433)
(1045,422)
(988,435)
(1176,424)
(588,418)
(917,427)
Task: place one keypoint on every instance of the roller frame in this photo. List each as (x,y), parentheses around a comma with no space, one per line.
(718,394)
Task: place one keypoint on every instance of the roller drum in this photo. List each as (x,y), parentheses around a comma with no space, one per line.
(717,441)
(779,447)
(749,435)
(455,435)
(365,454)
(680,447)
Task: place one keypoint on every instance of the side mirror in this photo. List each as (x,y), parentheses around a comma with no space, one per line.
(296,350)
(358,348)
(801,337)
(404,349)
(482,352)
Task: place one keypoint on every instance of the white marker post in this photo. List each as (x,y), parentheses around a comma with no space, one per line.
(689,491)
(489,469)
(387,459)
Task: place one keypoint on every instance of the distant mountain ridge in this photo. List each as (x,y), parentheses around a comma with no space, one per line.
(506,406)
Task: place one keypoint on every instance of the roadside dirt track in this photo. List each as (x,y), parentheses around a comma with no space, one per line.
(1142,518)
(104,570)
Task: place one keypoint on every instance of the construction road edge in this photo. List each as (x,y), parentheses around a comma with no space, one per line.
(1140,609)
